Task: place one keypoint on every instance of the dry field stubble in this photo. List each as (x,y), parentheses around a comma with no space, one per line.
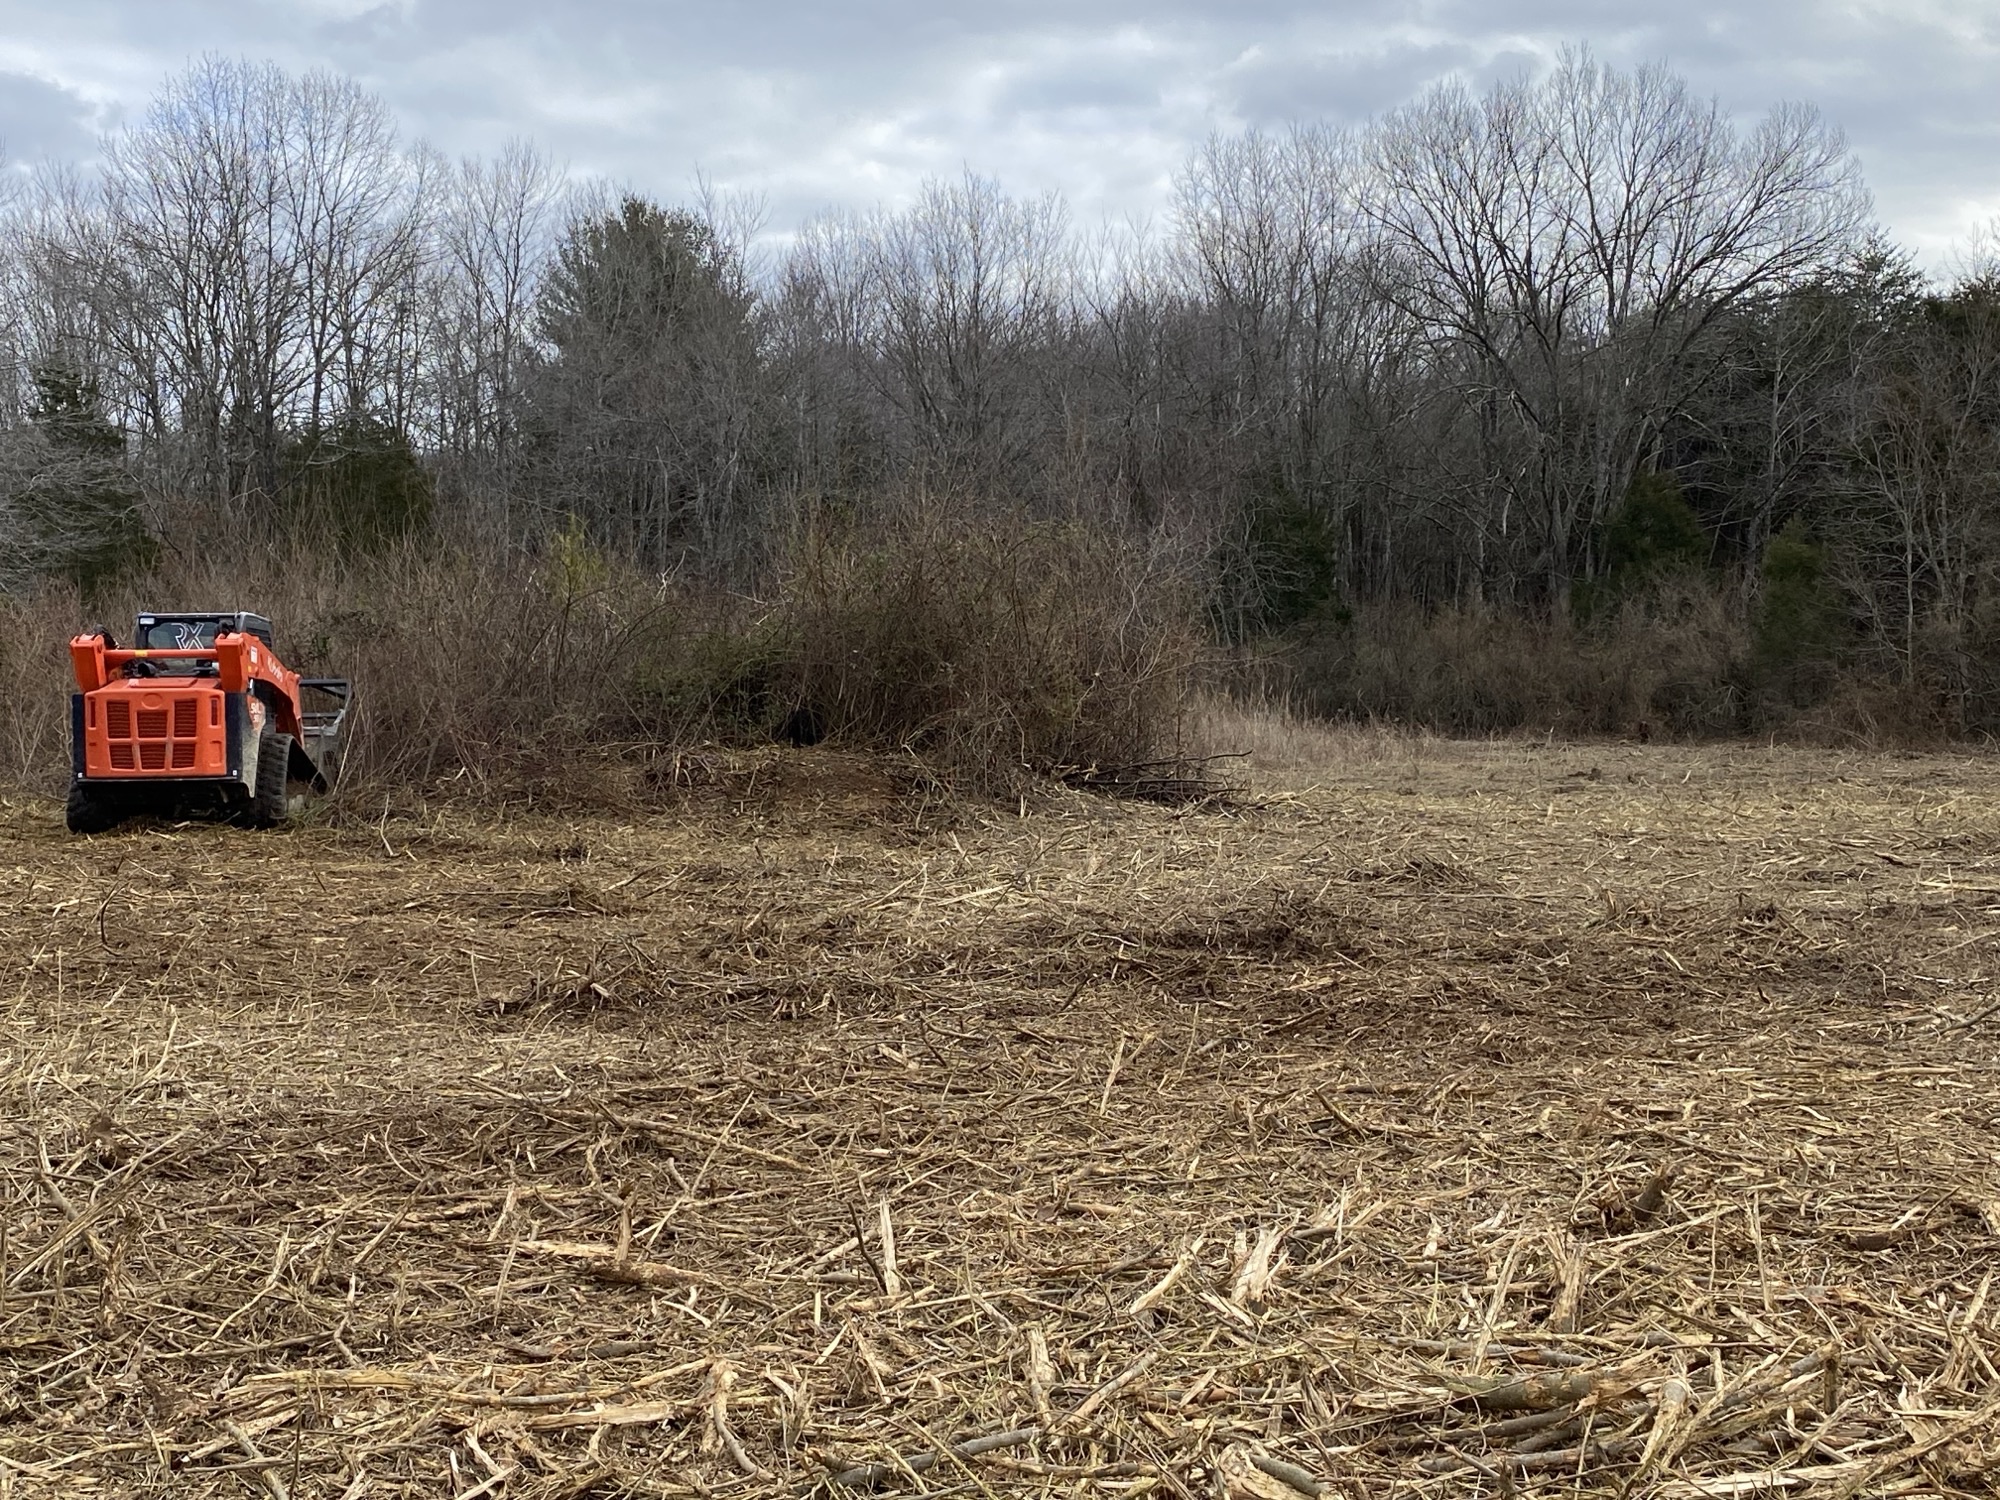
(1450,1120)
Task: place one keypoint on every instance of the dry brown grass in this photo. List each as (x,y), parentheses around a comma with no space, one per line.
(1604,1120)
(1268,737)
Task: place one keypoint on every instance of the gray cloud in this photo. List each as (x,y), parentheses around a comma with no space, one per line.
(812,104)
(43,121)
(1344,86)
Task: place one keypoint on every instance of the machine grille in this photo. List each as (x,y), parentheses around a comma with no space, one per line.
(155,739)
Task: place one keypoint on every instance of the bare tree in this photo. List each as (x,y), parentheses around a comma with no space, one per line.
(1567,244)
(17,295)
(248,257)
(967,287)
(1921,523)
(1769,434)
(1305,364)
(494,236)
(819,328)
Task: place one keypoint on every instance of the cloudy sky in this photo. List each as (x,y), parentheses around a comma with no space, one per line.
(817,102)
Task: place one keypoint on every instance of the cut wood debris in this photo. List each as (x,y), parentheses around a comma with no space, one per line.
(1411,1133)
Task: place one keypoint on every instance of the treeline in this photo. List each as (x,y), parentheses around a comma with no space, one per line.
(1571,403)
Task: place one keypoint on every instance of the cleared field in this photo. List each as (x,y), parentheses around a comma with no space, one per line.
(1444,1120)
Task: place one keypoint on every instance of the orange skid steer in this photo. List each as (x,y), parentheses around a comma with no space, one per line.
(199,716)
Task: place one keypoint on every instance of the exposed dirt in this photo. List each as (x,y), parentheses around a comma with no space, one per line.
(1479,1118)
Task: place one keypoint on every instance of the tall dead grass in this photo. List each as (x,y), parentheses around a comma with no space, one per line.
(1268,736)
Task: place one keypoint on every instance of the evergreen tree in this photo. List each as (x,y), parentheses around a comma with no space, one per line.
(72,507)
(1798,621)
(358,482)
(642,418)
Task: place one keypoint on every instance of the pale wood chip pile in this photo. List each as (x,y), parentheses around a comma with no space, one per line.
(1479,1120)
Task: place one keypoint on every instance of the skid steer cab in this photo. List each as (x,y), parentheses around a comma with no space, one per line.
(198,717)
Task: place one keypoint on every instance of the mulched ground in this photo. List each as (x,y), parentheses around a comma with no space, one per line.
(1447,1120)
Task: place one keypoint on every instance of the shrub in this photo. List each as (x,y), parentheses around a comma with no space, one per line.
(989,650)
(1666,661)
(1291,558)
(996,648)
